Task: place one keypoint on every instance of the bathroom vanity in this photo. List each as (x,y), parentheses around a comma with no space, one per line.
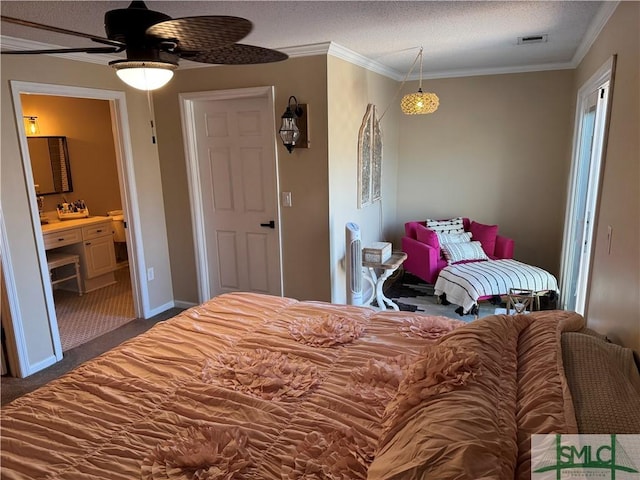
(92,239)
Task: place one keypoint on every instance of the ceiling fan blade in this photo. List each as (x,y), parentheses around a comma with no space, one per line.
(202,33)
(41,26)
(237,54)
(64,50)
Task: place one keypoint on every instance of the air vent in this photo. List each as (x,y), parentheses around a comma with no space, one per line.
(532,39)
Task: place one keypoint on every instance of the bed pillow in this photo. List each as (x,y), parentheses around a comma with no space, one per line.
(458,252)
(453,225)
(427,236)
(486,235)
(453,237)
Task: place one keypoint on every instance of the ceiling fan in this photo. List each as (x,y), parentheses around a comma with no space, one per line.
(154,43)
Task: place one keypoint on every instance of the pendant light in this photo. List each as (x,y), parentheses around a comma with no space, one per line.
(419,103)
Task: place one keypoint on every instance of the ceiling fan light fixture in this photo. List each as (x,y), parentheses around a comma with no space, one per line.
(144,75)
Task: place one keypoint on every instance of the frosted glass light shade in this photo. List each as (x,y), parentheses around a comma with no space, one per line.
(419,103)
(144,75)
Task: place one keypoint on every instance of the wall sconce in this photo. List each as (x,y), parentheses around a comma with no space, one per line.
(31,125)
(293,130)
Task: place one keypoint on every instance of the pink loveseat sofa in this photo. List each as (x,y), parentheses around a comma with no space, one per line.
(424,258)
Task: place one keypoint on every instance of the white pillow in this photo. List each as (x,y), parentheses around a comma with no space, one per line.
(453,225)
(457,252)
(453,237)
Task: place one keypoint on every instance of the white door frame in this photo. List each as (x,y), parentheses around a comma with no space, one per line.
(187,102)
(604,76)
(128,193)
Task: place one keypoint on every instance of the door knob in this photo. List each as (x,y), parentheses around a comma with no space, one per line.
(271,224)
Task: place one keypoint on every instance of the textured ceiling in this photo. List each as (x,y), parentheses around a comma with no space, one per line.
(458,37)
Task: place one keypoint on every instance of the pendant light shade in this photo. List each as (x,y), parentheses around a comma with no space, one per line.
(144,75)
(419,103)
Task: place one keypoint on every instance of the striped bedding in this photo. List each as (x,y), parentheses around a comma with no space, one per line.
(465,283)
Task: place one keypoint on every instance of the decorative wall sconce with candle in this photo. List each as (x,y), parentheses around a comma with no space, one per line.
(294,128)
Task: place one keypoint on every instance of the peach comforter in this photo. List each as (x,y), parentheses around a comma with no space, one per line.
(256,387)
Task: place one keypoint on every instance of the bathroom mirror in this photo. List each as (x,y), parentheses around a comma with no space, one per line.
(50,164)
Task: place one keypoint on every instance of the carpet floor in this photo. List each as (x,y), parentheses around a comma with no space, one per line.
(412,294)
(12,387)
(83,318)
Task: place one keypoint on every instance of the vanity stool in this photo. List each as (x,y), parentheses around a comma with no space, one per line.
(59,260)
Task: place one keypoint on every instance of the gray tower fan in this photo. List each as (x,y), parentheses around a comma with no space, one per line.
(354,264)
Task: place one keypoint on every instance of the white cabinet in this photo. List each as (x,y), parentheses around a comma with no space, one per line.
(98,256)
(63,238)
(92,240)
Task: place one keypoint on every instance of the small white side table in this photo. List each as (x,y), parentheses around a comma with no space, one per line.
(387,267)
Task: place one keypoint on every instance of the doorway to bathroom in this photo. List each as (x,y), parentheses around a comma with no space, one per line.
(87,309)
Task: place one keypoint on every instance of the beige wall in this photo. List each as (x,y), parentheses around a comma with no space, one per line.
(322,179)
(350,89)
(87,125)
(305,226)
(14,194)
(497,151)
(614,299)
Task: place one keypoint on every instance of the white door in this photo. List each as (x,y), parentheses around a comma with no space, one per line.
(235,157)
(588,151)
(582,218)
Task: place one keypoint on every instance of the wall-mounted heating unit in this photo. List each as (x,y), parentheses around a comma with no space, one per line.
(353,264)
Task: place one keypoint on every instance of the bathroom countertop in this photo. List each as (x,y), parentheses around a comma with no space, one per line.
(57,226)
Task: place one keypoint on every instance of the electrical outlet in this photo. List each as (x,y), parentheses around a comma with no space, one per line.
(150,274)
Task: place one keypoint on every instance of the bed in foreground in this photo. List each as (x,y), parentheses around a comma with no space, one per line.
(257,387)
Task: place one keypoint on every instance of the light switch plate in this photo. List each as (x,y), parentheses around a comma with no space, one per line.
(286,199)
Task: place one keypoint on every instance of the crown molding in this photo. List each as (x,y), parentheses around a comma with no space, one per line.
(477,72)
(338,51)
(306,50)
(598,23)
(12,43)
(350,56)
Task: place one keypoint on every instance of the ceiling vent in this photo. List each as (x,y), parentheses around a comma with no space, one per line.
(532,39)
